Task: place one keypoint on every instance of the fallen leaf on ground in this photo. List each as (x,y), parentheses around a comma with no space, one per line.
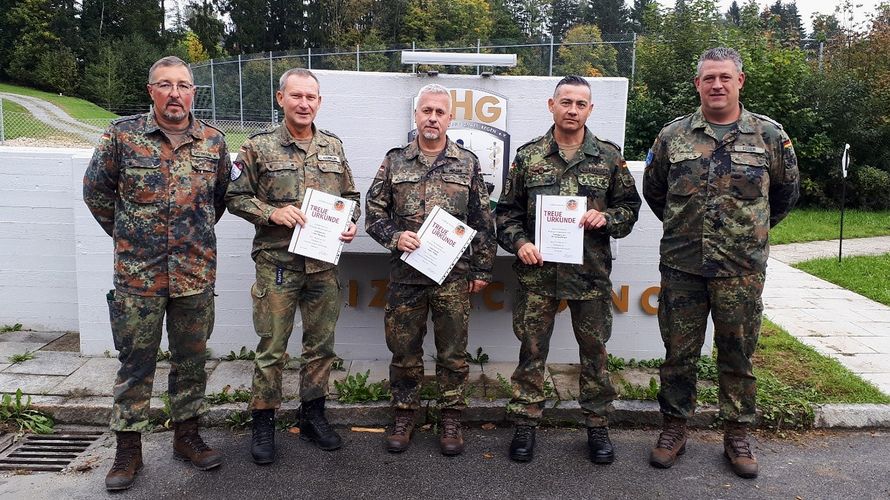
(294,430)
(487,455)
(489,426)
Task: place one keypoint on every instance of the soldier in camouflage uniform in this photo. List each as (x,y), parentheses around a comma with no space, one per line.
(567,161)
(156,185)
(431,170)
(269,179)
(719,179)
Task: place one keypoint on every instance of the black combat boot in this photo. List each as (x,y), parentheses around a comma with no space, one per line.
(315,427)
(262,446)
(522,448)
(189,447)
(599,445)
(127,461)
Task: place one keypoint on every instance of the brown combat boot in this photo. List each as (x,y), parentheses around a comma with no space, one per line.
(737,449)
(451,442)
(671,443)
(189,447)
(127,461)
(402,428)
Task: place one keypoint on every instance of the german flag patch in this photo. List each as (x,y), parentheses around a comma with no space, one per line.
(786,144)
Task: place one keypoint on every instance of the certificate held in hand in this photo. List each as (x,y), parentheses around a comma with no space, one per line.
(558,235)
(327,216)
(443,239)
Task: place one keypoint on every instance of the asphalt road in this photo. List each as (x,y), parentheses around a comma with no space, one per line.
(812,465)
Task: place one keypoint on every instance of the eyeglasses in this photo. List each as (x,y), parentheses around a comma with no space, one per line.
(167,87)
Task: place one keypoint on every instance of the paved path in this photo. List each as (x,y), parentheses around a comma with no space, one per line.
(55,117)
(833,320)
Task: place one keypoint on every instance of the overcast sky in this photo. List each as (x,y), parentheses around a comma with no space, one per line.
(806,8)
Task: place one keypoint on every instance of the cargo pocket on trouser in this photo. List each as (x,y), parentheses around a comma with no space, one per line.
(262,314)
(115,316)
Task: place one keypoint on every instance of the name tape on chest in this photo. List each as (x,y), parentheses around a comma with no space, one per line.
(333,158)
(748,149)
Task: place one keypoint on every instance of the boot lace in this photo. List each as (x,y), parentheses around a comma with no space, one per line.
(320,423)
(402,423)
(669,437)
(597,433)
(740,446)
(523,432)
(450,428)
(122,459)
(195,442)
(262,433)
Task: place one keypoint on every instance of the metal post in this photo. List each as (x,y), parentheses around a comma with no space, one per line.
(633,60)
(212,92)
(478,50)
(240,94)
(357,63)
(310,57)
(550,72)
(845,162)
(2,132)
(271,90)
(821,47)
(413,66)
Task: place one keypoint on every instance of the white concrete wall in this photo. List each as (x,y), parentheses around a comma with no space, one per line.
(57,262)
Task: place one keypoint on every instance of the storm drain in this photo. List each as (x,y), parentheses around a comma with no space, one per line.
(48,452)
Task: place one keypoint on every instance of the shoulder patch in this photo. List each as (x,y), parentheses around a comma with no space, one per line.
(768,119)
(214,127)
(329,133)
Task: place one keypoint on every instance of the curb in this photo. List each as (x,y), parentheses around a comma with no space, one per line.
(628,413)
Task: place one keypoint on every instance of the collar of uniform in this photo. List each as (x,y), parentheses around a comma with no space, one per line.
(412,150)
(287,139)
(196,128)
(745,121)
(588,146)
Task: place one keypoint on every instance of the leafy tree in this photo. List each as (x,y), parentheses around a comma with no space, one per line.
(585,59)
(563,15)
(461,21)
(104,78)
(208,29)
(57,71)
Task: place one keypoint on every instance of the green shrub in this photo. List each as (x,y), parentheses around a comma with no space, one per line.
(16,413)
(356,389)
(870,188)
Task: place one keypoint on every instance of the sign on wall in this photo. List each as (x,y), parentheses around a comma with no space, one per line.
(480,125)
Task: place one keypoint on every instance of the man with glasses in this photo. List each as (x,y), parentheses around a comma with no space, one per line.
(156,184)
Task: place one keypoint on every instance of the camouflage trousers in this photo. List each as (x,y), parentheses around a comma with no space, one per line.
(405,321)
(533,319)
(736,309)
(136,325)
(276,295)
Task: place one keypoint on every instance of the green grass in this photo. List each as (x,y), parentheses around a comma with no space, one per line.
(18,122)
(816,224)
(866,275)
(77,108)
(806,372)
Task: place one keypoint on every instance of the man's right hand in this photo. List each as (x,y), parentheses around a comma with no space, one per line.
(529,255)
(408,241)
(288,216)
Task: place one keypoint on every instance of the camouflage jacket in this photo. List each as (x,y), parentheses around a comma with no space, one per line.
(404,193)
(718,199)
(273,171)
(159,204)
(597,171)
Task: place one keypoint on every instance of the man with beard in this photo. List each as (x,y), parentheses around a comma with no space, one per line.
(156,184)
(430,171)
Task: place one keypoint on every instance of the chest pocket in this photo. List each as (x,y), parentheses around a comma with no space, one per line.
(594,185)
(327,175)
(281,181)
(685,174)
(407,196)
(204,162)
(451,191)
(142,181)
(749,179)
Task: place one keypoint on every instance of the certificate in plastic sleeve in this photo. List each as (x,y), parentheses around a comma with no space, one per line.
(327,217)
(558,236)
(443,239)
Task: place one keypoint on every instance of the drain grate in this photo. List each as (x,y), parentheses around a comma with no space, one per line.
(48,452)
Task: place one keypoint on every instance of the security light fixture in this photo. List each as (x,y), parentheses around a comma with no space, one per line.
(458,58)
